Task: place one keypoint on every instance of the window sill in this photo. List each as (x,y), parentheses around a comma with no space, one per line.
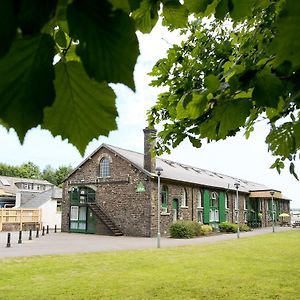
(199,207)
(165,213)
(184,207)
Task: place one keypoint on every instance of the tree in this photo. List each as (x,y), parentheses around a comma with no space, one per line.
(49,174)
(232,71)
(93,43)
(30,170)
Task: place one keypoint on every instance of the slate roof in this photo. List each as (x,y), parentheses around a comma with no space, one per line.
(12,188)
(40,198)
(184,173)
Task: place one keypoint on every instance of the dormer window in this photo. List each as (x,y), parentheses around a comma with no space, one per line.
(104,167)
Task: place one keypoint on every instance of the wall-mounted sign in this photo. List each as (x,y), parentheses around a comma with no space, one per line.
(140,187)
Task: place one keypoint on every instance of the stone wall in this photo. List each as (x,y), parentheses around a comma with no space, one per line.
(117,194)
(190,211)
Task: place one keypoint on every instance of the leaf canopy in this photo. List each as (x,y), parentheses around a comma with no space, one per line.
(231,72)
(26,76)
(83,108)
(108,44)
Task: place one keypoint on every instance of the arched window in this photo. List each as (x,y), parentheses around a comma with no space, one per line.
(164,197)
(183,198)
(104,167)
(199,199)
(226,202)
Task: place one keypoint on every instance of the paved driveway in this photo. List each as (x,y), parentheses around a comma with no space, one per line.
(61,243)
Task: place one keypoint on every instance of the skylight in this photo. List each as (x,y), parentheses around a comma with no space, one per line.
(4,181)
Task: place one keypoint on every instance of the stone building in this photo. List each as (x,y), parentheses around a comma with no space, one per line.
(114,191)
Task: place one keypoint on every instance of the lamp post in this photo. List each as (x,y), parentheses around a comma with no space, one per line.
(237,185)
(158,172)
(272,195)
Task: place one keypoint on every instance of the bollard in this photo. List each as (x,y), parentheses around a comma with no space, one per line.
(20,237)
(30,234)
(43,232)
(55,228)
(37,233)
(47,230)
(8,240)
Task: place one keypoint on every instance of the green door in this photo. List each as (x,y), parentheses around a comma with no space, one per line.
(91,221)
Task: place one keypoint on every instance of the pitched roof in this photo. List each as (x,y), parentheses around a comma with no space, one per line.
(182,172)
(9,184)
(185,173)
(39,199)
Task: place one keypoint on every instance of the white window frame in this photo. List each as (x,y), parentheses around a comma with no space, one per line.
(104,167)
(199,199)
(226,201)
(183,198)
(76,210)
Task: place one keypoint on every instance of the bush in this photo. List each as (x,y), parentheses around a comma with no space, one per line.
(206,229)
(185,229)
(196,228)
(228,227)
(182,230)
(244,227)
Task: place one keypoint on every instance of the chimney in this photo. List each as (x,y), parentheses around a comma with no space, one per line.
(149,143)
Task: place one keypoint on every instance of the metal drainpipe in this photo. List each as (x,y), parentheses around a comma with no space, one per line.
(192,205)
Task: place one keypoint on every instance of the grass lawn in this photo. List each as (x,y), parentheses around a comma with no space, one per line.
(261,267)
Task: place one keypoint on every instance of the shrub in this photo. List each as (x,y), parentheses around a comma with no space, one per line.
(196,228)
(182,230)
(244,227)
(185,229)
(228,227)
(206,229)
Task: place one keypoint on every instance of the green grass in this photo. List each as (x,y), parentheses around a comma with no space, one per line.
(262,267)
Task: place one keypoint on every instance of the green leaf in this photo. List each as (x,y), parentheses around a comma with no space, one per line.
(222,9)
(8,25)
(267,89)
(195,142)
(175,14)
(26,76)
(34,14)
(197,6)
(292,170)
(146,15)
(226,117)
(212,83)
(83,108)
(60,38)
(286,43)
(108,46)
(241,8)
(282,140)
(120,4)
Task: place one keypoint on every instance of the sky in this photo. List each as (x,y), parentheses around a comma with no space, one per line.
(236,156)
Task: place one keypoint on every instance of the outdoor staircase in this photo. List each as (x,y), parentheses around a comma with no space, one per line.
(105,219)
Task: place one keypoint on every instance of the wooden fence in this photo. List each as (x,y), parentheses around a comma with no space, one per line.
(19,217)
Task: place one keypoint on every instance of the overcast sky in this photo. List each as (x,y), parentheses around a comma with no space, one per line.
(246,159)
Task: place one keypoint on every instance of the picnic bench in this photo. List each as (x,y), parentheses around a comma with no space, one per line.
(296,223)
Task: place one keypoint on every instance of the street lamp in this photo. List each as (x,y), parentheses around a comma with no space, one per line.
(158,172)
(237,185)
(272,195)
